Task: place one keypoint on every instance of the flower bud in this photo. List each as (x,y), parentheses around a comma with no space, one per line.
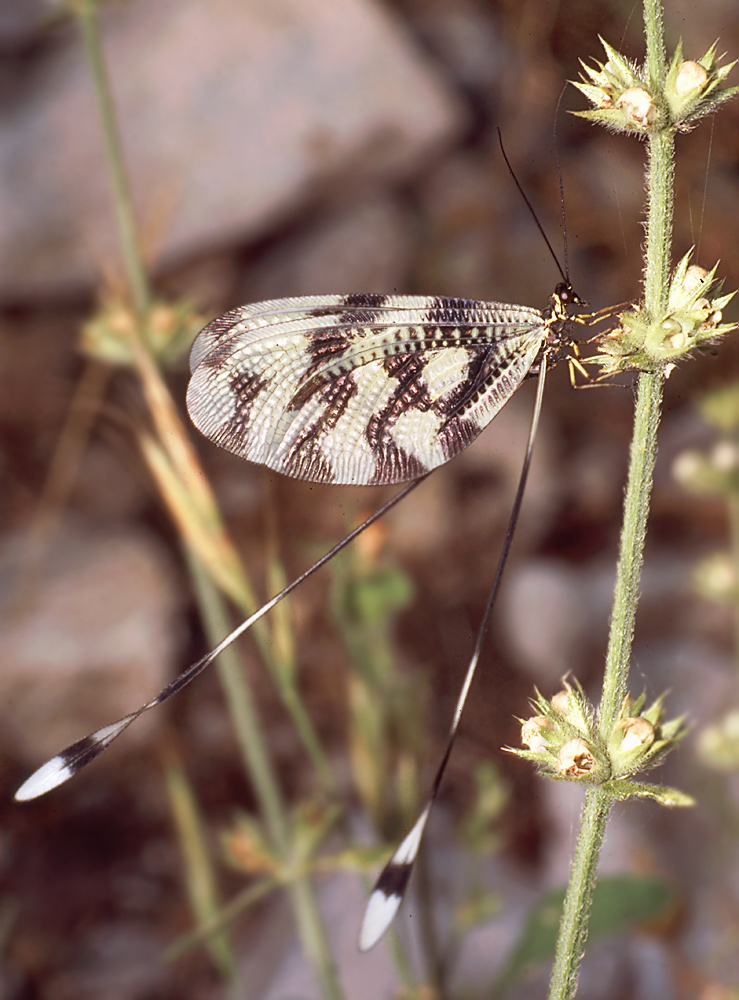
(637,733)
(561,701)
(691,77)
(532,733)
(674,337)
(637,103)
(714,319)
(575,758)
(694,275)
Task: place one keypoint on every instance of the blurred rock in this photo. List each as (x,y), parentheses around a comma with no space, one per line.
(34,366)
(21,21)
(625,841)
(500,450)
(363,246)
(121,961)
(93,637)
(466,35)
(106,487)
(463,204)
(545,613)
(421,523)
(207,280)
(699,677)
(342,897)
(231,116)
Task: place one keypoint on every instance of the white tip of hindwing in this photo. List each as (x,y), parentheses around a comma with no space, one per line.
(378,915)
(386,897)
(53,773)
(70,761)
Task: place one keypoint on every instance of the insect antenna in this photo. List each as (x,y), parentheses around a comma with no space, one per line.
(563,271)
(387,895)
(563,214)
(71,760)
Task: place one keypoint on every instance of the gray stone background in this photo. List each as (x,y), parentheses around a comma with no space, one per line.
(280,147)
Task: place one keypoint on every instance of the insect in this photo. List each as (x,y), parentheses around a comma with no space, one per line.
(362,389)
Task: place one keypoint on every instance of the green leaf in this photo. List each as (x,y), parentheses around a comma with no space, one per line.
(620,903)
(666,796)
(477,909)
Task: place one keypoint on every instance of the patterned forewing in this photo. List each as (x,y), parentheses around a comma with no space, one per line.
(358,389)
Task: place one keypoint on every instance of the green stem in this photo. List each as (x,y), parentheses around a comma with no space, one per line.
(660,212)
(247,727)
(575,914)
(633,533)
(574,924)
(201,882)
(243,711)
(573,928)
(660,209)
(654,34)
(307,734)
(85,11)
(226,915)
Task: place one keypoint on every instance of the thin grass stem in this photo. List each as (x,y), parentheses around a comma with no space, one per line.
(133,261)
(238,694)
(201,884)
(248,730)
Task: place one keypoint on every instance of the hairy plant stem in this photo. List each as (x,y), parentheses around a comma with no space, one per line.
(574,922)
(573,927)
(654,34)
(633,533)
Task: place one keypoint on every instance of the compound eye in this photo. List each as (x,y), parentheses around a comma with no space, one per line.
(567,294)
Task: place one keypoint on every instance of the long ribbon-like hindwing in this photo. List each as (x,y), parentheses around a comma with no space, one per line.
(73,758)
(363,389)
(389,890)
